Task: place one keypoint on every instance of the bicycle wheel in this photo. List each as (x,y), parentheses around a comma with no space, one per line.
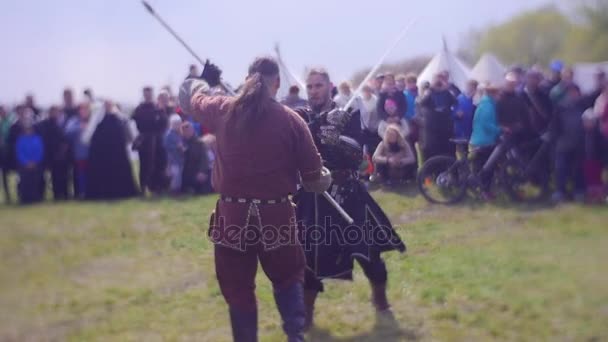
(522,185)
(441,180)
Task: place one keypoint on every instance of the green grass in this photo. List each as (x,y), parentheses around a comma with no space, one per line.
(143,270)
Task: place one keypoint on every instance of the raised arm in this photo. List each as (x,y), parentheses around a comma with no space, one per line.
(194,99)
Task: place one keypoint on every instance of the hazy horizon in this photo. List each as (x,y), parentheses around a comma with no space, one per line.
(115,47)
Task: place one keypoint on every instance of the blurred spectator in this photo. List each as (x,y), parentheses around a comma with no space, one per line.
(558,92)
(512,112)
(151,124)
(210,143)
(164,103)
(519,74)
(539,103)
(370,119)
(109,174)
(174,148)
(568,130)
(377,84)
(390,91)
(601,110)
(193,72)
(484,136)
(293,99)
(70,109)
(394,158)
(197,169)
(400,82)
(344,95)
(29,150)
(593,157)
(413,121)
(31,104)
(436,106)
(411,94)
(5,125)
(393,118)
(453,89)
(56,147)
(75,128)
(554,78)
(463,112)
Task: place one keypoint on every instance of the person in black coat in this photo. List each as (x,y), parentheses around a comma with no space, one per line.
(110,176)
(57,158)
(568,133)
(152,124)
(436,106)
(540,107)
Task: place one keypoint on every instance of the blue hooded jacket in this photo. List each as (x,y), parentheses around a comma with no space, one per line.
(463,125)
(485,126)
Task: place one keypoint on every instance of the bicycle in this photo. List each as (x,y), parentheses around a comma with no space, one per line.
(446,180)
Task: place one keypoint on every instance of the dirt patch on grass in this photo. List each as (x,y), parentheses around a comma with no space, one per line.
(195,280)
(149,222)
(105,272)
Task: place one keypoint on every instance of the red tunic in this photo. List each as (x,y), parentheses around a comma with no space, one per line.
(265,166)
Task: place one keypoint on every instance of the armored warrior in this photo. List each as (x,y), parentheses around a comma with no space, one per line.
(331,243)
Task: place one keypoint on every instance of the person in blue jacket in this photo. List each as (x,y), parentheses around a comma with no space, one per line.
(485,134)
(29,151)
(464,111)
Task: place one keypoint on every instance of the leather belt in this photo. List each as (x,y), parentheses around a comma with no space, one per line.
(229,199)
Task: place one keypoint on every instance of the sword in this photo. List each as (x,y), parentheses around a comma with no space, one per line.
(179,39)
(379,64)
(339,208)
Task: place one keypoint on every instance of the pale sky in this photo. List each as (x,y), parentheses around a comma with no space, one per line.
(115,47)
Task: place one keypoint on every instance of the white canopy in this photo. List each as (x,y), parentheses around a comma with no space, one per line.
(446,61)
(584,74)
(489,70)
(288,79)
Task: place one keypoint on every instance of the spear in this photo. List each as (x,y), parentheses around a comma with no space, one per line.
(179,39)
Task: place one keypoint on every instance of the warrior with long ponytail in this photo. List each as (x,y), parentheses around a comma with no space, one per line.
(256,95)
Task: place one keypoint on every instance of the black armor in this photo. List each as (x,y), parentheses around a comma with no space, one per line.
(337,135)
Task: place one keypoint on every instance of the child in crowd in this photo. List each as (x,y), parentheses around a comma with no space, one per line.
(195,175)
(29,150)
(174,147)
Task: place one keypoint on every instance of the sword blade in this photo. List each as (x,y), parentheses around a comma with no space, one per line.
(339,208)
(399,38)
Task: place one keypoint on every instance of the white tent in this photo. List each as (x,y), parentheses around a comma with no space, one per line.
(489,70)
(584,74)
(446,61)
(288,79)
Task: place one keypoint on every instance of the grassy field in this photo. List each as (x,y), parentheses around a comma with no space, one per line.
(143,271)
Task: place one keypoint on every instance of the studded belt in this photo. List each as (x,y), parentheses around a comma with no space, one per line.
(229,199)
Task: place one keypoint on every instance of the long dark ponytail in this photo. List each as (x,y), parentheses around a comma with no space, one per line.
(254,99)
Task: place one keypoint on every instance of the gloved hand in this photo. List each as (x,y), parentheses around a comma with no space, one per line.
(329,135)
(338,118)
(321,185)
(188,89)
(212,74)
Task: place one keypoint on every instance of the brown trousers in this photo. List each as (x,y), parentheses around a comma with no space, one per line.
(236,271)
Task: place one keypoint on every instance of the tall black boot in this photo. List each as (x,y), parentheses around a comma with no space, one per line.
(290,303)
(244,325)
(379,298)
(310,297)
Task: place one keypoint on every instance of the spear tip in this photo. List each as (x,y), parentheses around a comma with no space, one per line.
(148,7)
